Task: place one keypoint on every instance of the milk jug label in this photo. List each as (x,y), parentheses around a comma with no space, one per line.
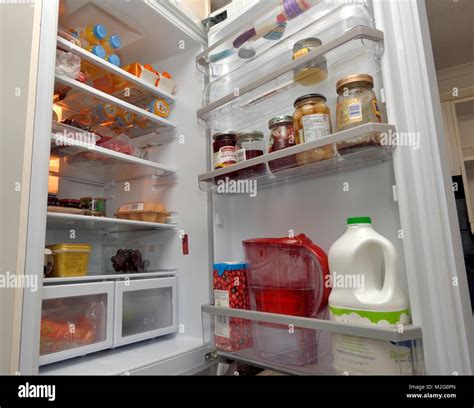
(360,355)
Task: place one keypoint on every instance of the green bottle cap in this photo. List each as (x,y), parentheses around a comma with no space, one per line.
(359,220)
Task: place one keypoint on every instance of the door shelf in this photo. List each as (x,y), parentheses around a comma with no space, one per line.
(89,162)
(274,92)
(82,97)
(109,277)
(214,180)
(57,221)
(222,57)
(264,339)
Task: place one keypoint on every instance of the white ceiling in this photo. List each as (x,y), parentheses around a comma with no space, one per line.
(452,31)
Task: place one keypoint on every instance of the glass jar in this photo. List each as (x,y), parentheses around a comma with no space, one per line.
(224,148)
(250,145)
(314,71)
(312,121)
(356,105)
(70,203)
(93,206)
(282,136)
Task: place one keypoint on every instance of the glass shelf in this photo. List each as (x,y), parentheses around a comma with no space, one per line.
(357,50)
(264,339)
(81,97)
(147,91)
(58,221)
(282,166)
(230,53)
(110,276)
(89,162)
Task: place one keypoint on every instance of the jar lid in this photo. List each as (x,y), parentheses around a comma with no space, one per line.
(250,135)
(280,119)
(354,78)
(309,96)
(69,201)
(307,42)
(224,134)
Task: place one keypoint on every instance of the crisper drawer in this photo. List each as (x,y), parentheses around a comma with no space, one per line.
(144,309)
(76,319)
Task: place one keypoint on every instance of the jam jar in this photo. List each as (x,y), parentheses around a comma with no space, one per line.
(314,71)
(356,105)
(282,136)
(224,148)
(312,121)
(250,145)
(70,203)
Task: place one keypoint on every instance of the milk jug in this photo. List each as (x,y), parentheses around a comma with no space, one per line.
(366,291)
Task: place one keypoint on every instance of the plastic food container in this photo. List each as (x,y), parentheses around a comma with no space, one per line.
(286,276)
(70,259)
(143,211)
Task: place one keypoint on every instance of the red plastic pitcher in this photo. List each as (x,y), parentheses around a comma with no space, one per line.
(286,276)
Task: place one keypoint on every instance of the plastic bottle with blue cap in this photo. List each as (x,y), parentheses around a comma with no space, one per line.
(90,34)
(111,43)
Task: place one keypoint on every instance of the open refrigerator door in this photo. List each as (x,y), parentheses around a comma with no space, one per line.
(279,171)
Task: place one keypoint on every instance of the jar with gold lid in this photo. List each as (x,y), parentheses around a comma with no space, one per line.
(356,105)
(314,71)
(312,121)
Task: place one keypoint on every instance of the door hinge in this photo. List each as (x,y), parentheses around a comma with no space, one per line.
(395,193)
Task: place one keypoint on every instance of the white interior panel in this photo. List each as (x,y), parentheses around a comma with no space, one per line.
(317,207)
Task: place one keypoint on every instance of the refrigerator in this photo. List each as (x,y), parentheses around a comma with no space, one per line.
(163,320)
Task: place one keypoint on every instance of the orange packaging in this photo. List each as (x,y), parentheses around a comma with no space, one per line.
(119,87)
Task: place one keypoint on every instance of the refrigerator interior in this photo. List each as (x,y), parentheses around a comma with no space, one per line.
(185,149)
(309,201)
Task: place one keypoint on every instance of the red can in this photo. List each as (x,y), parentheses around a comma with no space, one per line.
(231,290)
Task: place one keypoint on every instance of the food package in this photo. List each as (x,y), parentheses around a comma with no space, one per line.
(70,259)
(148,211)
(65,324)
(121,144)
(231,290)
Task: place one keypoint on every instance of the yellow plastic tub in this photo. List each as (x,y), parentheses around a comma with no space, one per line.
(70,259)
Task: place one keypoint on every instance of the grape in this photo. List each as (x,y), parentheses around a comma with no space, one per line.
(129,260)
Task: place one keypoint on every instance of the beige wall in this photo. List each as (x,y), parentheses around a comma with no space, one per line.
(19,24)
